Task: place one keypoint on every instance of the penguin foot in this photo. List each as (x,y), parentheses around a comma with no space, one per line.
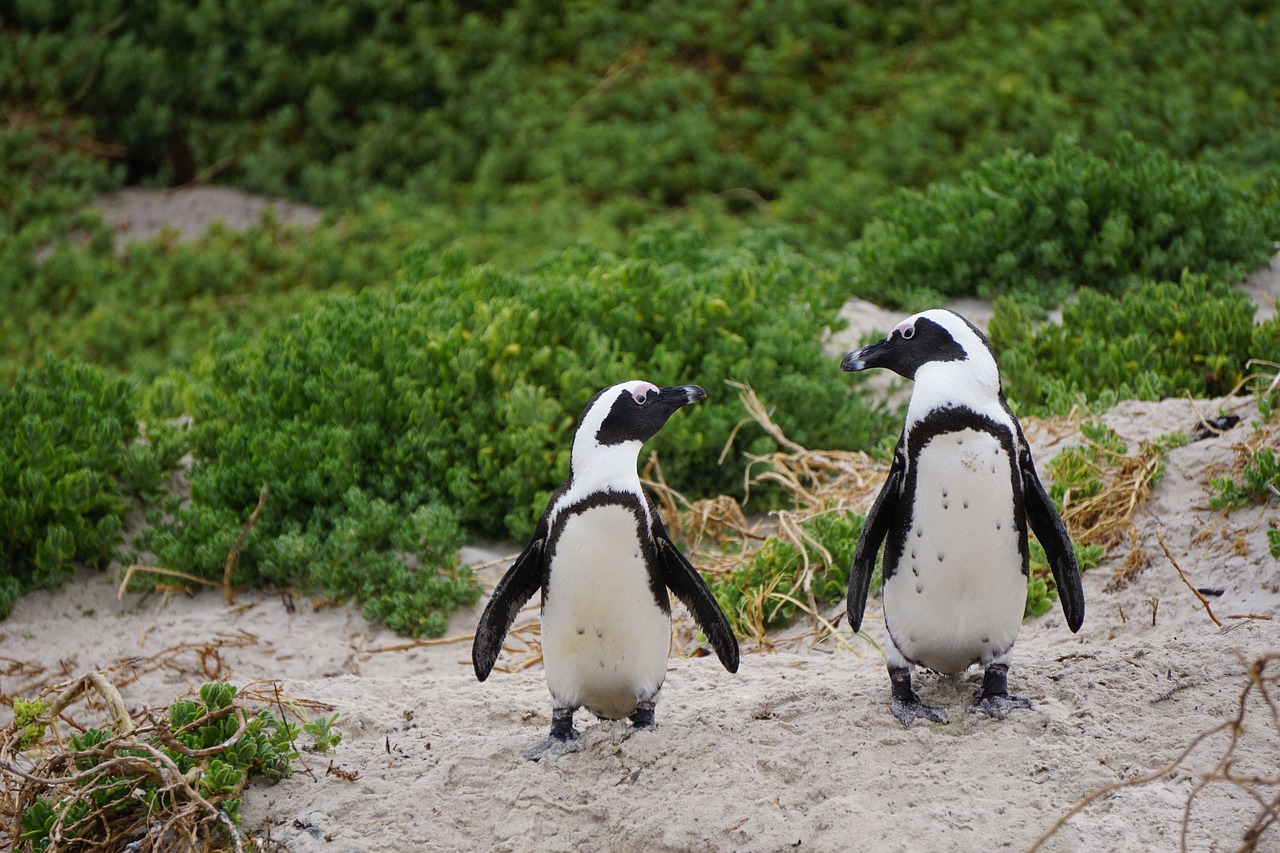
(998,706)
(642,720)
(909,710)
(994,699)
(562,740)
(906,705)
(554,747)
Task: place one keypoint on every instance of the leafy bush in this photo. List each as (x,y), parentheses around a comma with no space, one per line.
(1261,482)
(1043,226)
(816,105)
(70,458)
(762,595)
(1159,340)
(217,748)
(464,388)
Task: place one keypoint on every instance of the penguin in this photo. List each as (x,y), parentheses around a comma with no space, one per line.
(953,516)
(604,562)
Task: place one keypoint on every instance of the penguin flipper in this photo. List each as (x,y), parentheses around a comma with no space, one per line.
(1047,525)
(517,586)
(683,580)
(874,529)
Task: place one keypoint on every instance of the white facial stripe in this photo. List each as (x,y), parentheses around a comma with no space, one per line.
(597,467)
(640,391)
(974,381)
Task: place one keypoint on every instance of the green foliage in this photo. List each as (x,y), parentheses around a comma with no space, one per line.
(1077,471)
(26,716)
(1273,542)
(765,593)
(812,105)
(230,760)
(1261,481)
(1043,226)
(1158,340)
(1042,592)
(321,728)
(70,459)
(367,414)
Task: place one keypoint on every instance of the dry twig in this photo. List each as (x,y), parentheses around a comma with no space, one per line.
(1268,797)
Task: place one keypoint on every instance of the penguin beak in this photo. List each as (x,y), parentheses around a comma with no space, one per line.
(878,354)
(681,395)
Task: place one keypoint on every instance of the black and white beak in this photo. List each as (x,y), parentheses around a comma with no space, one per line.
(681,395)
(879,354)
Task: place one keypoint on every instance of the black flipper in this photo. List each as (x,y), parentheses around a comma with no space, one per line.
(874,529)
(684,581)
(1052,533)
(517,586)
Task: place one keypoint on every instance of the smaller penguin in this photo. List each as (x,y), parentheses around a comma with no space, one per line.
(953,516)
(604,563)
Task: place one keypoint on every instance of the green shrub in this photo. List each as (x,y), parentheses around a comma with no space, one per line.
(817,105)
(1042,592)
(102,805)
(463,388)
(1043,226)
(1161,339)
(1261,482)
(762,595)
(70,459)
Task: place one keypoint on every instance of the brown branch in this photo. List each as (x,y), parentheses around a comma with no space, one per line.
(1203,601)
(235,550)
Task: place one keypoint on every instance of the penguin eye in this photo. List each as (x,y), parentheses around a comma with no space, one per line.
(638,397)
(908,333)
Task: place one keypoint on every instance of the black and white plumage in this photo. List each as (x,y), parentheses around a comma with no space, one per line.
(604,562)
(953,517)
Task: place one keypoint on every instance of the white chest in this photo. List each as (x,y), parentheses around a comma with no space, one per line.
(605,641)
(958,593)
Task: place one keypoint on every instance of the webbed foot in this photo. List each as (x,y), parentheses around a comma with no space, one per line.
(562,740)
(994,699)
(908,712)
(643,719)
(553,747)
(906,705)
(998,706)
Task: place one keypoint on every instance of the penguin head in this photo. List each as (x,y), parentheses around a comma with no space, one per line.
(625,416)
(935,347)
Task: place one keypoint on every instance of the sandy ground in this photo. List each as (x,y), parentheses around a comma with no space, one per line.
(798,750)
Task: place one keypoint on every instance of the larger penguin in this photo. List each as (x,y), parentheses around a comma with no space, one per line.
(953,516)
(604,562)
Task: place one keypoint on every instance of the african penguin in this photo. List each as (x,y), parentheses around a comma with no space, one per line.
(953,516)
(604,562)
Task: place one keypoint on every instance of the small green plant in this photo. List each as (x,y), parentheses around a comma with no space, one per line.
(163,775)
(767,592)
(1273,542)
(1041,590)
(321,728)
(1261,482)
(26,720)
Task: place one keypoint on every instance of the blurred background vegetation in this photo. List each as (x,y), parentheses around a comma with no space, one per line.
(524,203)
